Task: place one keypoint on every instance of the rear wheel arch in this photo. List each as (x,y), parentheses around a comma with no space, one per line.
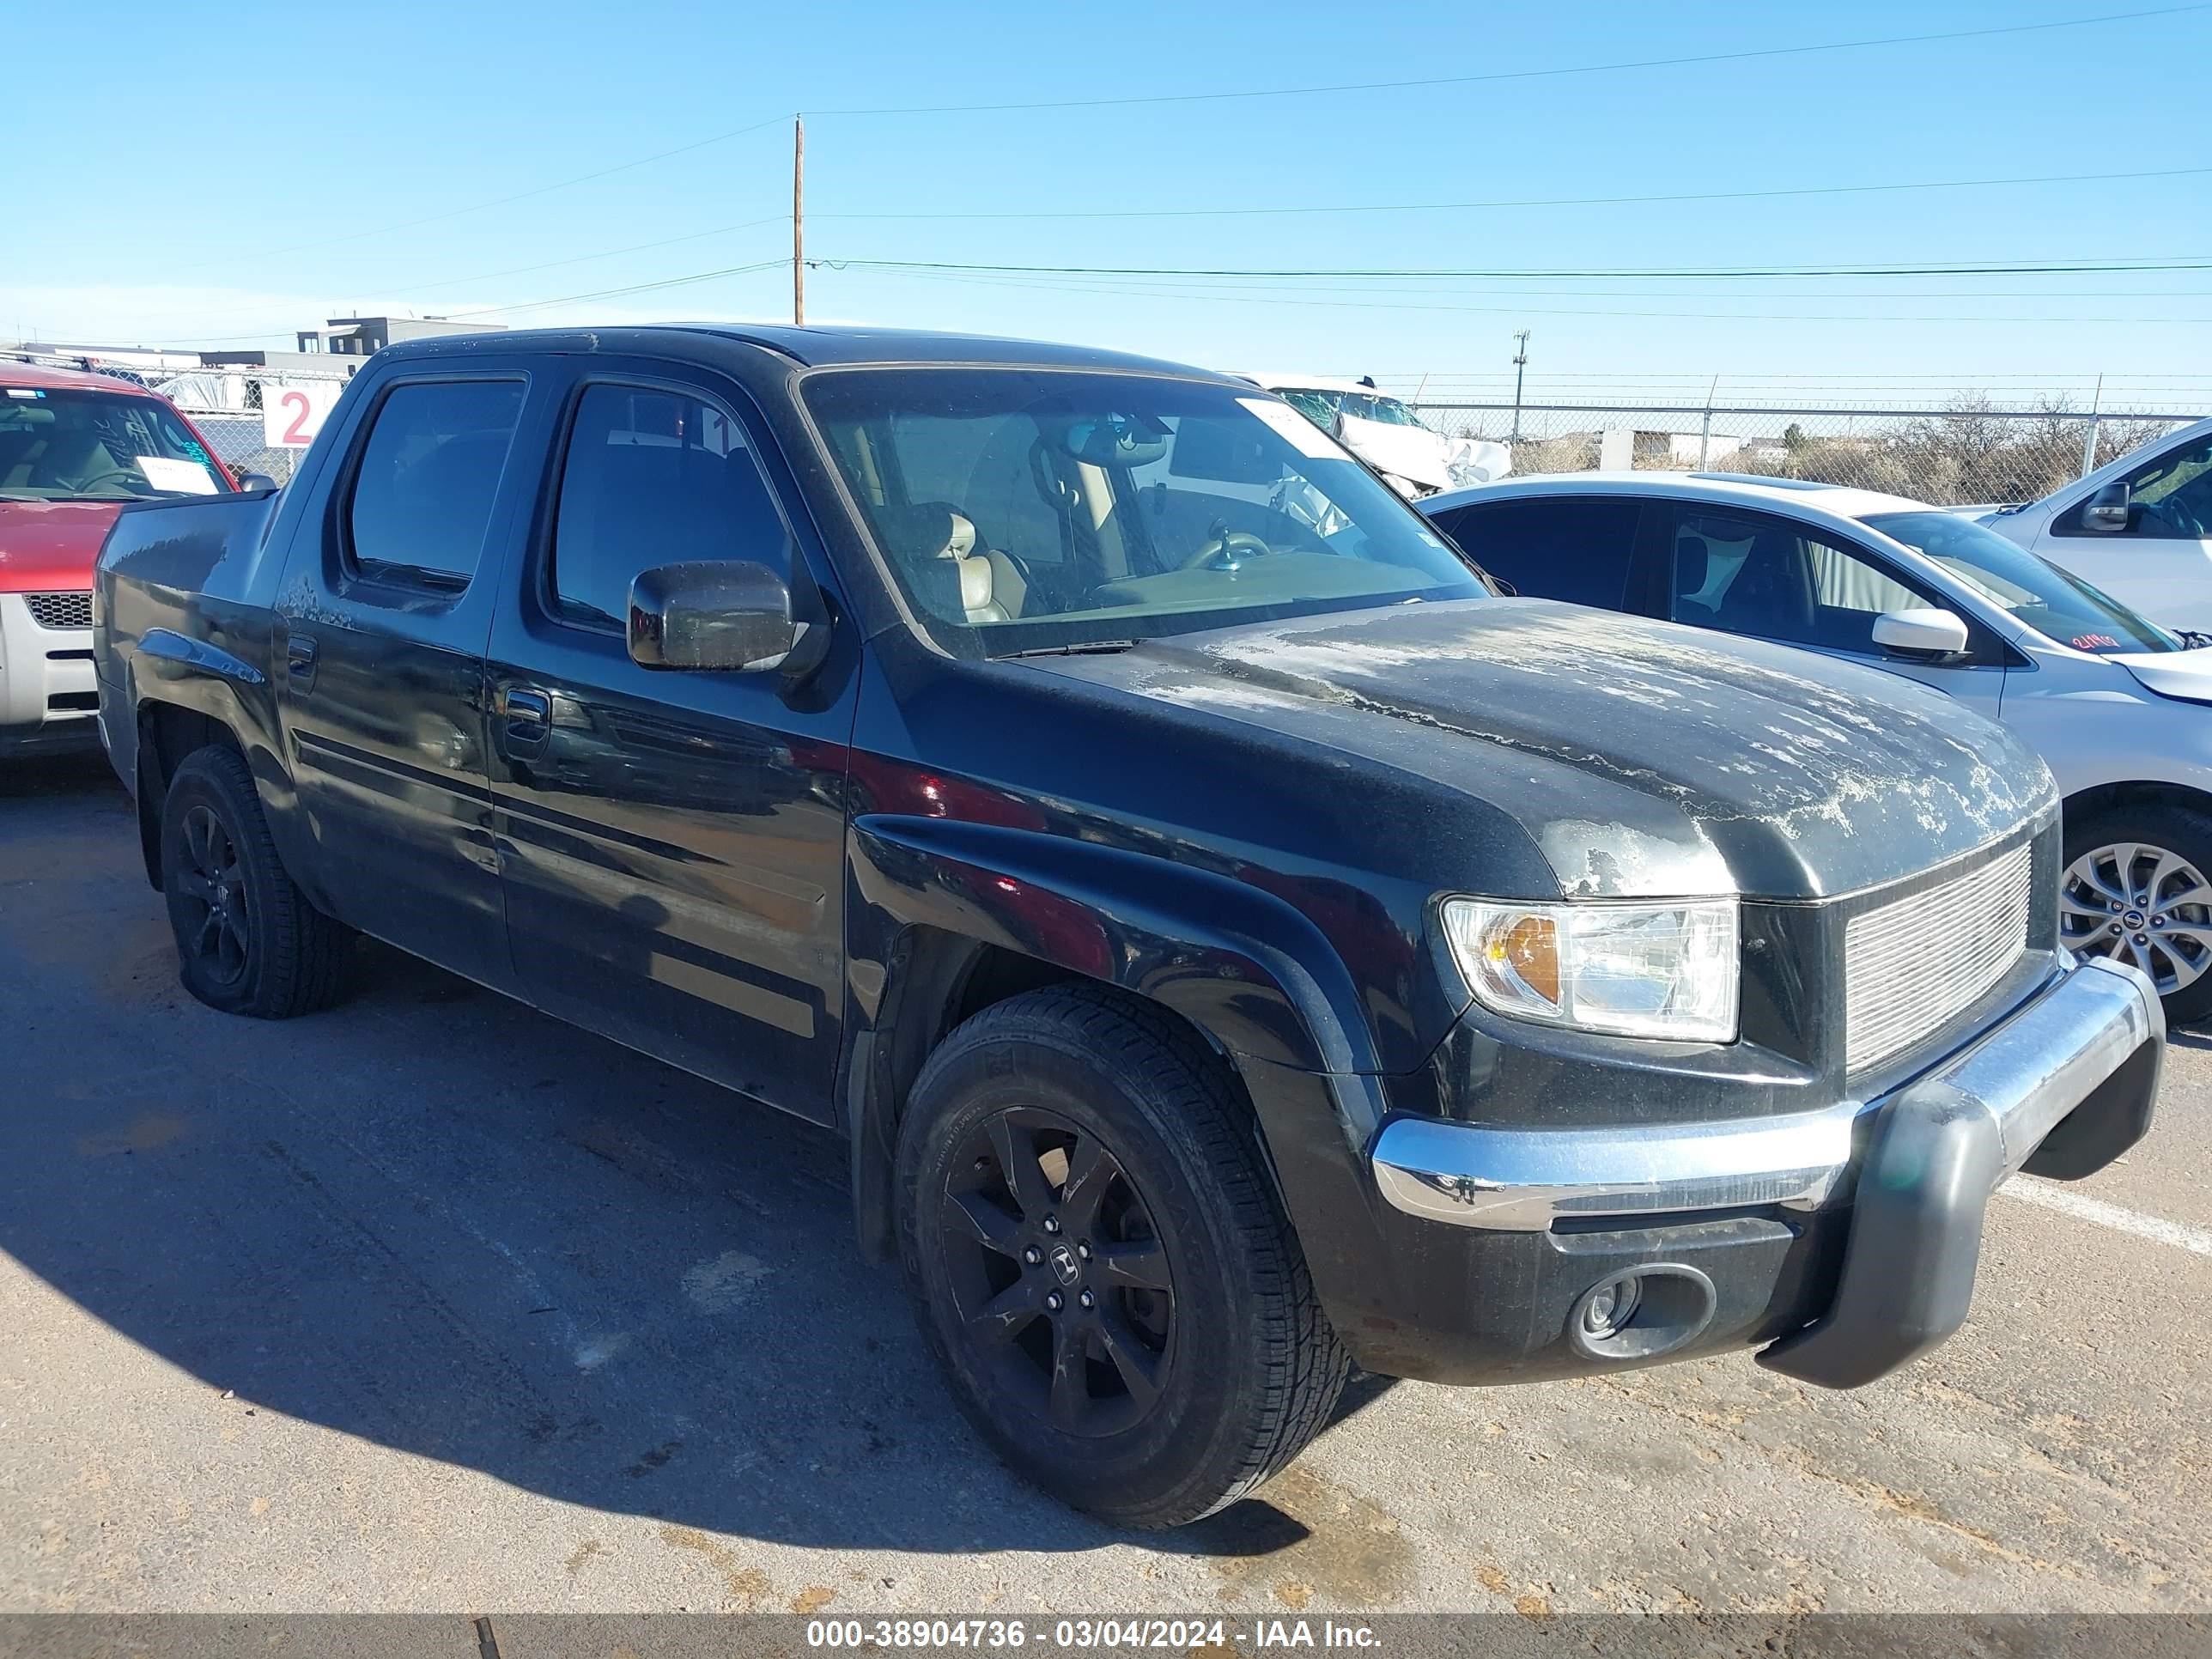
(167,734)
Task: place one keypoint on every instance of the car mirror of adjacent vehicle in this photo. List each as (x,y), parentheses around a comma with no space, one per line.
(734,616)
(1920,633)
(2108,512)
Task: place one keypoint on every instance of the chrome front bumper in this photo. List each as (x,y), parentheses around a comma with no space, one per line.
(2062,1087)
(2026,1075)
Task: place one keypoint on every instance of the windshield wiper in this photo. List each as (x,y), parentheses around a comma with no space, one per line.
(1085,648)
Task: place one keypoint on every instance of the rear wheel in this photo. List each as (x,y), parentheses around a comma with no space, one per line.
(2136,889)
(247,940)
(1101,1264)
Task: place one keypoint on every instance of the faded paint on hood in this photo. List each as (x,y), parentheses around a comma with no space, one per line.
(48,547)
(1642,758)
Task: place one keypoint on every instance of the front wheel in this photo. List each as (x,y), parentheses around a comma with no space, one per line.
(2136,889)
(1101,1264)
(248,942)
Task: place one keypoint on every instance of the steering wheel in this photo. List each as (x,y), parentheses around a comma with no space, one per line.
(121,475)
(1221,543)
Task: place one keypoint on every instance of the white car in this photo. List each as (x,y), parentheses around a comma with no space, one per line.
(1386,434)
(2139,527)
(2109,699)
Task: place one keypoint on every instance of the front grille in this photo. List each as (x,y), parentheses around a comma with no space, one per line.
(60,609)
(1911,964)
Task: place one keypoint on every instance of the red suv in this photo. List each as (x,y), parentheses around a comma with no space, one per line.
(74,447)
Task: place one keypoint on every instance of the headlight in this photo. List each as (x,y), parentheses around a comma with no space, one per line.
(1655,970)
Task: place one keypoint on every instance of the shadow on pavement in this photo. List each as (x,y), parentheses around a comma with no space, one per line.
(438,1221)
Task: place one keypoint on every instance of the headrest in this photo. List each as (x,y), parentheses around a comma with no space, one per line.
(928,530)
(1691,558)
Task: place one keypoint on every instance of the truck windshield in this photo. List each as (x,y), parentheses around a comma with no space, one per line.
(59,444)
(1024,509)
(2058,606)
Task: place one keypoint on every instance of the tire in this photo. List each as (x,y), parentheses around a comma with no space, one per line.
(2144,849)
(1207,1362)
(247,940)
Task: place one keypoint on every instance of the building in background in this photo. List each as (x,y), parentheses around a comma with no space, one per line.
(359,337)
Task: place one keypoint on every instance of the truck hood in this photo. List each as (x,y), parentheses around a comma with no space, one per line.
(48,547)
(1641,759)
(2185,675)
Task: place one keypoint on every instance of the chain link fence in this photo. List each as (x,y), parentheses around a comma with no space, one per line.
(232,409)
(1969,451)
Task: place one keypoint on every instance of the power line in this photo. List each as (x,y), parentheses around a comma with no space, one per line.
(1531,311)
(1538,201)
(2176,261)
(499,201)
(604,253)
(634,287)
(1523,74)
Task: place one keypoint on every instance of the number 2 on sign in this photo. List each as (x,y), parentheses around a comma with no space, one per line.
(297,403)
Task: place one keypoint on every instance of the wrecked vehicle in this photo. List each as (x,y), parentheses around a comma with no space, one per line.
(1228,951)
(1414,458)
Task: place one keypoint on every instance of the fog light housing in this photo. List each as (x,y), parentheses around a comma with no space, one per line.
(1642,1313)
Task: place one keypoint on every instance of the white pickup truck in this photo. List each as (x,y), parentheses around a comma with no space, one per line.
(2139,528)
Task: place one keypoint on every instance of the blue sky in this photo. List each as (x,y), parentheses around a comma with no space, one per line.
(194,177)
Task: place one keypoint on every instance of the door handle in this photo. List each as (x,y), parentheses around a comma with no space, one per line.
(526,718)
(300,659)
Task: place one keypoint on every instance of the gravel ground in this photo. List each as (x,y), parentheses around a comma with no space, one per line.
(432,1304)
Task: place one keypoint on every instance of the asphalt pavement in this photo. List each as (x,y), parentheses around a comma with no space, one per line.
(432,1304)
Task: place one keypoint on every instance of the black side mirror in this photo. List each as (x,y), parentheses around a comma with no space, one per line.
(734,616)
(256,481)
(2106,512)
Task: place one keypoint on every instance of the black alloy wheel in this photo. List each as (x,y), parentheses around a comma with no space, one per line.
(211,886)
(248,941)
(1054,1264)
(1100,1261)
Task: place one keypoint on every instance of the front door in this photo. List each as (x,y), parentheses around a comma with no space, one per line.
(1769,578)
(672,842)
(383,619)
(2162,563)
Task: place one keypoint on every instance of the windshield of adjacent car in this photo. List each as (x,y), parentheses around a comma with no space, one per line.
(62,443)
(2054,603)
(1024,509)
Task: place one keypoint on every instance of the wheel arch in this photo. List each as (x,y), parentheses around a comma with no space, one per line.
(2102,797)
(955,917)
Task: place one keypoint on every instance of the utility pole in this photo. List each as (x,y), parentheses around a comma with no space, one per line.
(2089,443)
(798,221)
(1705,431)
(1520,368)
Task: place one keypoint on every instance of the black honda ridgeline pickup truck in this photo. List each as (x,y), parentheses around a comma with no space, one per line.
(1235,940)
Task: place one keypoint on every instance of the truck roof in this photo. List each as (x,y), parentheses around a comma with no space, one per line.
(810,347)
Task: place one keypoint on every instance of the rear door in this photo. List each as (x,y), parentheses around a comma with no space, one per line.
(1768,577)
(2162,563)
(383,618)
(672,842)
(1576,547)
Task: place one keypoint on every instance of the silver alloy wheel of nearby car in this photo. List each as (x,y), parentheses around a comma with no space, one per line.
(2140,903)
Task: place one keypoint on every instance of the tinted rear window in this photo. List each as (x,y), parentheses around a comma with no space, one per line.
(1576,550)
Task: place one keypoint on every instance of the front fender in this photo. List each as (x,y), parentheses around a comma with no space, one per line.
(1243,966)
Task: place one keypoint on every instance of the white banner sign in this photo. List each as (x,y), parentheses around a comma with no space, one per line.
(293,411)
